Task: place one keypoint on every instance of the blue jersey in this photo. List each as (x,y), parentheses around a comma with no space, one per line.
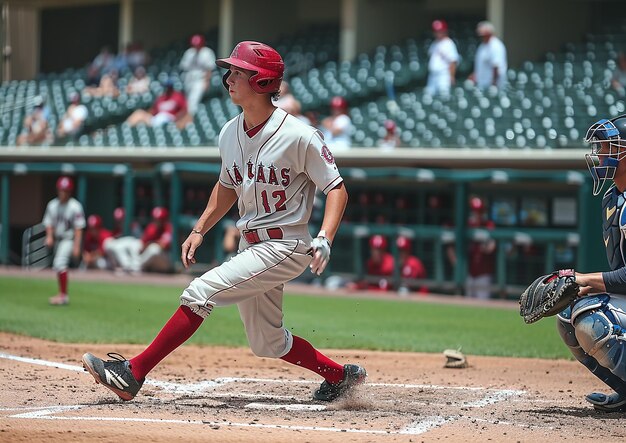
(613,226)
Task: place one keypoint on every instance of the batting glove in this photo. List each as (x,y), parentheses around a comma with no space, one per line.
(320,248)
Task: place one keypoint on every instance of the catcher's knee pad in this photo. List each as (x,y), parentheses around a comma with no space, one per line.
(600,333)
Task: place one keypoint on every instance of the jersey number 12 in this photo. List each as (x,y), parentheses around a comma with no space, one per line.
(279,205)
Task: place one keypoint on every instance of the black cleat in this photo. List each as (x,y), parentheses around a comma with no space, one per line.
(607,403)
(352,375)
(113,374)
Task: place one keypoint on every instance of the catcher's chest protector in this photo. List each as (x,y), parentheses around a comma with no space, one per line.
(614,227)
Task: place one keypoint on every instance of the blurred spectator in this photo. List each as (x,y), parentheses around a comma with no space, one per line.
(288,103)
(119,215)
(36,129)
(391,139)
(148,253)
(197,64)
(107,86)
(481,253)
(136,56)
(96,236)
(618,82)
(411,267)
(443,60)
(171,106)
(74,118)
(490,63)
(337,128)
(102,64)
(139,83)
(379,267)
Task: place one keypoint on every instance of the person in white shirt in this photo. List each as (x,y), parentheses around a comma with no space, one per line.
(74,118)
(443,60)
(197,64)
(490,62)
(337,128)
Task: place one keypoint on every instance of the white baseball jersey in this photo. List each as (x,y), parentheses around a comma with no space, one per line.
(442,53)
(275,172)
(64,217)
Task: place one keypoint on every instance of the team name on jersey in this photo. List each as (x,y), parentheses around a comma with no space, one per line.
(260,173)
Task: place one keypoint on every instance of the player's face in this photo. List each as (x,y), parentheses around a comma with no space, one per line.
(238,87)
(63,195)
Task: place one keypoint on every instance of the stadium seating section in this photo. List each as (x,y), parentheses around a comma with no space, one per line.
(546,104)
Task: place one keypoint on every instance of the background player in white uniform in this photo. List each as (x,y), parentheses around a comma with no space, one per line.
(490,63)
(64,220)
(197,64)
(443,60)
(271,166)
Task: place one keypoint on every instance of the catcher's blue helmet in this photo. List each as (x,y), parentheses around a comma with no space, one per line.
(608,147)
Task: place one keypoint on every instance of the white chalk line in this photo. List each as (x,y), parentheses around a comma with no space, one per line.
(420,426)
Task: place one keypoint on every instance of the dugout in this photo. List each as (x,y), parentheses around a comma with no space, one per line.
(26,188)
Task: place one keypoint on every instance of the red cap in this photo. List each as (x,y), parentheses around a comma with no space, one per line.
(378,241)
(94,221)
(338,102)
(65,183)
(403,243)
(160,213)
(476,204)
(119,214)
(390,126)
(197,40)
(439,26)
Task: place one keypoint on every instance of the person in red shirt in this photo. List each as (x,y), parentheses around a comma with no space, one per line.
(411,267)
(95,237)
(156,242)
(171,106)
(380,264)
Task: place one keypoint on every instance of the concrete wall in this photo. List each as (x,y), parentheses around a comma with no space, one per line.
(534,27)
(158,23)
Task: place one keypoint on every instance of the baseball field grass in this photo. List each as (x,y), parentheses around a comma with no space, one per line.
(134,313)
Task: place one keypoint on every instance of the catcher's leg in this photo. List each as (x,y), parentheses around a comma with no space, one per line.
(600,335)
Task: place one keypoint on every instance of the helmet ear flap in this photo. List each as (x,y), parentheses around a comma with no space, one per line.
(224,78)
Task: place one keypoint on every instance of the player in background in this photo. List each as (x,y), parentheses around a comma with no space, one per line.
(96,236)
(271,165)
(442,62)
(594,326)
(64,220)
(411,267)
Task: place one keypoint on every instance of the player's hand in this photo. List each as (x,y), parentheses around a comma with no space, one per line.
(188,249)
(49,241)
(320,250)
(76,251)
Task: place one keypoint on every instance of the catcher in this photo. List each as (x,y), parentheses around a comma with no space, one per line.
(591,308)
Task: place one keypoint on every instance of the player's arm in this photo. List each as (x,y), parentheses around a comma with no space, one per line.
(336,201)
(597,282)
(220,202)
(78,238)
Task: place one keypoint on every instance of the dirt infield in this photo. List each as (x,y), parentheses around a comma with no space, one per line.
(228,395)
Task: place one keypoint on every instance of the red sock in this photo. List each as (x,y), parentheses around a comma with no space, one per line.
(176,331)
(62,277)
(303,354)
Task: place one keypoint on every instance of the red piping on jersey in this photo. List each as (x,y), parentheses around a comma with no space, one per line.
(253,276)
(256,200)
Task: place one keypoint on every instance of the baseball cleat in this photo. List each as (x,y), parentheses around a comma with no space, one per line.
(607,403)
(352,375)
(59,300)
(113,374)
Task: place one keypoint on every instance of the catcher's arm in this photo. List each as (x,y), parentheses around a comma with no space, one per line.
(590,283)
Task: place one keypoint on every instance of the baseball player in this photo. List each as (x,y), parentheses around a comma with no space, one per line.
(594,326)
(96,236)
(271,166)
(197,64)
(443,60)
(64,220)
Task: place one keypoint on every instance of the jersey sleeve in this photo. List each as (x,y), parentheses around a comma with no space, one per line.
(320,164)
(78,217)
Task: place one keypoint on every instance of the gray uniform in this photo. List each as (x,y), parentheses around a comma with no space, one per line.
(275,174)
(64,218)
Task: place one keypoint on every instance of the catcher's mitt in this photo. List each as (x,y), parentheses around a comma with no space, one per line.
(548,295)
(454,359)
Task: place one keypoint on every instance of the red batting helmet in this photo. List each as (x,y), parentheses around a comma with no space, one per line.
(338,102)
(160,213)
(119,214)
(476,204)
(263,60)
(390,126)
(65,183)
(378,241)
(94,221)
(439,26)
(403,243)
